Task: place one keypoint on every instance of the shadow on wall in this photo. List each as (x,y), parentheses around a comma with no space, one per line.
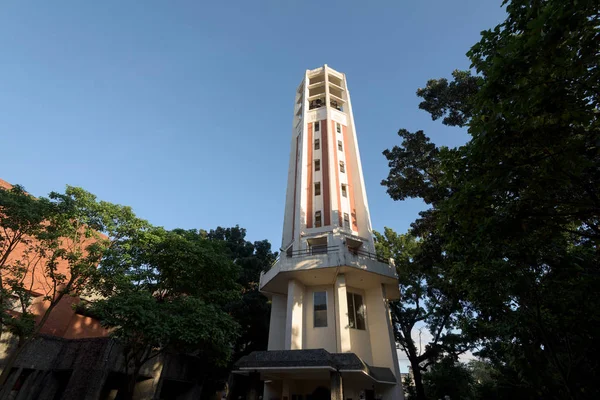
(65,322)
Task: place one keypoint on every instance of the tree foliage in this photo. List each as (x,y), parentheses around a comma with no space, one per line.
(252,310)
(517,207)
(449,378)
(168,294)
(426,300)
(51,248)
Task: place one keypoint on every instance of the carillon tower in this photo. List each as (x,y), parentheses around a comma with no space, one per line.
(330,332)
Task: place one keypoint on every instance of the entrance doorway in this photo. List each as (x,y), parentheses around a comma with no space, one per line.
(321,393)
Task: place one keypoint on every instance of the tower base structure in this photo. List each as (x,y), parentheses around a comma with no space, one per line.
(316,374)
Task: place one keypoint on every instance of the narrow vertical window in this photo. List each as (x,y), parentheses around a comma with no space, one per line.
(317,126)
(356,311)
(318,219)
(317,144)
(338,127)
(344,190)
(320,309)
(340,147)
(346,221)
(342,167)
(317,188)
(317,165)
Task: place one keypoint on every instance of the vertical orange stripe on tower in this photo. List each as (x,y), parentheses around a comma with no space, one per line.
(337,173)
(309,178)
(325,168)
(295,185)
(350,181)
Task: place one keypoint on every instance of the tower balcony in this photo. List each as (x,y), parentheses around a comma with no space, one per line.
(319,265)
(338,104)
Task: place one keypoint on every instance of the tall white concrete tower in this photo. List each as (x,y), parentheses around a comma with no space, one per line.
(330,330)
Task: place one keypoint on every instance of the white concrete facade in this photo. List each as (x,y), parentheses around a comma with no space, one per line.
(328,289)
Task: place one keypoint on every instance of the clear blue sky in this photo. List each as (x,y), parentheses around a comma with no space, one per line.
(183,109)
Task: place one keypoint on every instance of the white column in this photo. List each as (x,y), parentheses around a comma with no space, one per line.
(341,306)
(278,322)
(293,323)
(383,343)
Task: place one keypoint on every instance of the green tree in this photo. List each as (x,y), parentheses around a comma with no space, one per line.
(62,240)
(168,294)
(21,220)
(252,310)
(517,207)
(448,378)
(426,299)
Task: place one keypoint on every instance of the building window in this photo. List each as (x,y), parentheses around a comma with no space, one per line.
(338,127)
(317,245)
(317,144)
(317,188)
(340,147)
(317,126)
(346,221)
(356,311)
(320,309)
(344,190)
(342,167)
(318,219)
(317,165)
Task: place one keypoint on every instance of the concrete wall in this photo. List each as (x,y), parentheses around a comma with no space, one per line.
(82,370)
(382,338)
(277,323)
(360,340)
(379,329)
(323,337)
(294,316)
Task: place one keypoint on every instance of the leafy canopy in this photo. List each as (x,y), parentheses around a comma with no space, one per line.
(517,209)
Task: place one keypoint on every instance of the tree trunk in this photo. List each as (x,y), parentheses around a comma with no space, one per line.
(131,381)
(418,378)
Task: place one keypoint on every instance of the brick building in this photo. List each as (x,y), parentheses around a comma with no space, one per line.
(74,358)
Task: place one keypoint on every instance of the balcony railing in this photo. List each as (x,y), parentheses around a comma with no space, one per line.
(323,249)
(372,256)
(312,250)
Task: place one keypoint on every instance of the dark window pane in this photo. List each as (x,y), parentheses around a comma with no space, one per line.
(320,309)
(351,316)
(360,311)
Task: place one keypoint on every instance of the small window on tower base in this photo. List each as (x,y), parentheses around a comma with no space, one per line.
(346,221)
(318,219)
